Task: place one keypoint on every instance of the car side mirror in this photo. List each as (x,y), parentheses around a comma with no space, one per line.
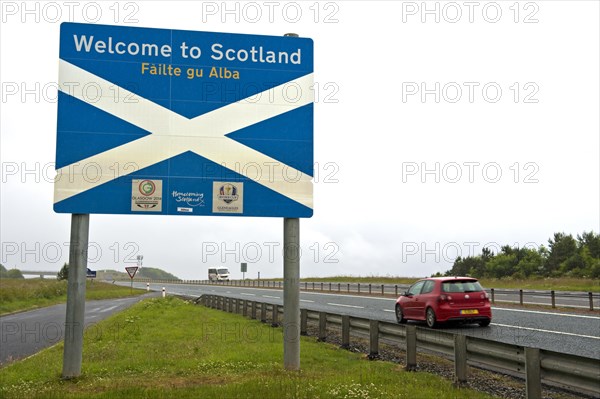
(407,294)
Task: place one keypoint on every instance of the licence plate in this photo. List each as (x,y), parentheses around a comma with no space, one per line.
(469,311)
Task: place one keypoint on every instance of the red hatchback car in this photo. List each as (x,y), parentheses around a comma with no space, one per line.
(441,299)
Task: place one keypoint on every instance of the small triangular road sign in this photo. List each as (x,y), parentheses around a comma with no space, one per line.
(132,270)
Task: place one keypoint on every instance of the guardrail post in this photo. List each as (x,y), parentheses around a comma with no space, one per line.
(591,296)
(313,285)
(373,339)
(305,286)
(348,287)
(339,287)
(244,308)
(231,305)
(236,304)
(369,288)
(280,284)
(329,287)
(533,378)
(553,297)
(322,326)
(253,310)
(345,331)
(493,296)
(275,316)
(396,289)
(303,322)
(411,348)
(382,292)
(460,359)
(321,286)
(359,288)
(263,312)
(521,297)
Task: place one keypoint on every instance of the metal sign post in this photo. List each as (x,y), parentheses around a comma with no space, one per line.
(291,293)
(131,270)
(73,350)
(244,267)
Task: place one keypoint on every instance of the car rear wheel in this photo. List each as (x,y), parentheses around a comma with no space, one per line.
(399,315)
(485,323)
(430,318)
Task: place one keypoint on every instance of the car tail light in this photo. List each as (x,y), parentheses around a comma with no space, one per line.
(444,298)
(485,295)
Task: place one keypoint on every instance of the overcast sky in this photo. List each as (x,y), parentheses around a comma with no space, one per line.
(436,133)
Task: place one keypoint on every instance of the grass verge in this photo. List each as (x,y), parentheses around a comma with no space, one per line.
(26,294)
(545,284)
(166,348)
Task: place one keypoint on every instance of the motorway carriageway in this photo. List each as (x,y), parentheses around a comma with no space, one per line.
(572,333)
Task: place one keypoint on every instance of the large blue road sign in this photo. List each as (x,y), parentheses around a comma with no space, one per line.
(171,122)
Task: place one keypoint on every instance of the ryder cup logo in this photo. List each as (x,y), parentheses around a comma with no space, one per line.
(228,193)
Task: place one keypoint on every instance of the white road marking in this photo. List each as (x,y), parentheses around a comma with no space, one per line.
(550,313)
(388,310)
(350,296)
(95,310)
(346,306)
(109,308)
(269,296)
(243,293)
(546,331)
(306,300)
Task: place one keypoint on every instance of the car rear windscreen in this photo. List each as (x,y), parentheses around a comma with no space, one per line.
(461,286)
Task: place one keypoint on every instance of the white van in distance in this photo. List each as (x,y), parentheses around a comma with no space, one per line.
(221,274)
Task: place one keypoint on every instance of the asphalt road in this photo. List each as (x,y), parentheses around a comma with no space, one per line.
(557,331)
(23,334)
(532,297)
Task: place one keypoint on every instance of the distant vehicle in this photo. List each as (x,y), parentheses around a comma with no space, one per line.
(221,274)
(443,299)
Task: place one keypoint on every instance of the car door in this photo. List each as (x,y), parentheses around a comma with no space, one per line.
(423,299)
(410,302)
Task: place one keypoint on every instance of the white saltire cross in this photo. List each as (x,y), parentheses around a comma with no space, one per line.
(173,134)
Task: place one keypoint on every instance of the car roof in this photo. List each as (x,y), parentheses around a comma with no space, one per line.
(447,278)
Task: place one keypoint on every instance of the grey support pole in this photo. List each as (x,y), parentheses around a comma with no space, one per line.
(291,289)
(291,293)
(73,350)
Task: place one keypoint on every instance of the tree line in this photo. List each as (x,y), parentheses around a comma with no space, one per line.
(12,273)
(565,256)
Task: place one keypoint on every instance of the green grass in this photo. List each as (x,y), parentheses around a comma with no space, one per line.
(557,284)
(546,284)
(167,348)
(27,294)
